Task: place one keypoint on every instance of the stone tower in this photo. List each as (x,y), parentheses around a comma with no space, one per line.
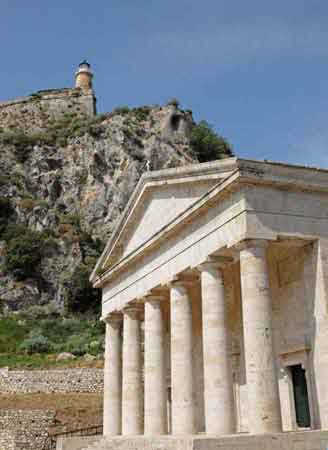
(83,76)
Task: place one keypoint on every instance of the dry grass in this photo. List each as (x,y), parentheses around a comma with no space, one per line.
(72,410)
(45,361)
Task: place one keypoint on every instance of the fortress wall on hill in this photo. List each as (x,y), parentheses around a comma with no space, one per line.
(32,112)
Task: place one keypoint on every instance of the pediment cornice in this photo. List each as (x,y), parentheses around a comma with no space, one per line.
(227,174)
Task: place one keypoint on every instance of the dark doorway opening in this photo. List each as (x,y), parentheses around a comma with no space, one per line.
(175,122)
(301,398)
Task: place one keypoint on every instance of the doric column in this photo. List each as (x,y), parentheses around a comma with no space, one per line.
(113,376)
(262,384)
(183,413)
(132,395)
(155,373)
(218,390)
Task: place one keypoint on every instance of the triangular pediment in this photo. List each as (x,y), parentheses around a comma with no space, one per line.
(160,206)
(160,198)
(166,200)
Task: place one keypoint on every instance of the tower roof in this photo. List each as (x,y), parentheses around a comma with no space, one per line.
(84,63)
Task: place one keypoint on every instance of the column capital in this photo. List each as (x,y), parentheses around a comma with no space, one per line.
(113,317)
(215,262)
(132,309)
(181,281)
(251,243)
(154,298)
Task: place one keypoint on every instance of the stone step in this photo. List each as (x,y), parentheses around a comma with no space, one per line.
(98,445)
(78,442)
(139,443)
(314,440)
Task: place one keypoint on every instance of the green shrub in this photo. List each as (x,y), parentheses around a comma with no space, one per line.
(90,248)
(82,296)
(121,110)
(36,96)
(5,207)
(77,344)
(95,347)
(13,230)
(207,145)
(72,219)
(27,203)
(23,254)
(42,203)
(33,312)
(19,141)
(142,113)
(41,311)
(6,211)
(58,132)
(22,334)
(12,332)
(35,344)
(61,329)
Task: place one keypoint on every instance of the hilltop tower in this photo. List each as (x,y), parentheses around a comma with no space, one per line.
(83,76)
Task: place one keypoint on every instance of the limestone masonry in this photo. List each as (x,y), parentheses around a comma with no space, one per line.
(214,283)
(51,381)
(24,430)
(29,113)
(230,285)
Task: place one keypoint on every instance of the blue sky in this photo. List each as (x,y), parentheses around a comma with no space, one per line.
(256,70)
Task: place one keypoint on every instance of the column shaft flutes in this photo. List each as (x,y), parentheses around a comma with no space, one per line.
(155,373)
(132,395)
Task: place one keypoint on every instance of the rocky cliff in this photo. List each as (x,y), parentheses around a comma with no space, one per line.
(66,175)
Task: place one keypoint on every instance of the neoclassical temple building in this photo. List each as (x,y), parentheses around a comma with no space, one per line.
(215,295)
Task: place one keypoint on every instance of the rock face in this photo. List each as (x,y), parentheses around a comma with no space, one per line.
(66,174)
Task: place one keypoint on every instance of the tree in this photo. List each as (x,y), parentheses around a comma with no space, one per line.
(24,254)
(82,296)
(207,145)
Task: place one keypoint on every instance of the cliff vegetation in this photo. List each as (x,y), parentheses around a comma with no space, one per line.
(65,178)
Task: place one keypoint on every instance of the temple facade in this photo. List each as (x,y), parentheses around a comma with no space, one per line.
(215,294)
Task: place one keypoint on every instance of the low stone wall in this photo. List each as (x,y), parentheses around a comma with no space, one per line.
(24,429)
(306,440)
(51,381)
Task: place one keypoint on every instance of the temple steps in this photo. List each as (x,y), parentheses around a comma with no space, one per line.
(303,440)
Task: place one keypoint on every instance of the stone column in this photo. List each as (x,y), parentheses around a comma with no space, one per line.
(183,414)
(155,373)
(113,376)
(218,389)
(132,395)
(262,384)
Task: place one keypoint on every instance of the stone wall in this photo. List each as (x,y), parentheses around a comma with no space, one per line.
(24,430)
(31,113)
(306,440)
(50,381)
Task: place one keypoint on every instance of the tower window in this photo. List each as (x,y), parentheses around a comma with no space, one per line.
(175,122)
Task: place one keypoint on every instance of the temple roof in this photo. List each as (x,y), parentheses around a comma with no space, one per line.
(162,198)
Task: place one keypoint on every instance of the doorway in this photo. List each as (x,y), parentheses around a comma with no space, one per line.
(301,398)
